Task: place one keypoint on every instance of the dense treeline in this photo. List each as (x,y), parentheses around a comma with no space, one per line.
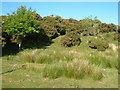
(27,27)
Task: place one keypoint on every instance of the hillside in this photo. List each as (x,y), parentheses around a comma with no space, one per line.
(53,52)
(31,75)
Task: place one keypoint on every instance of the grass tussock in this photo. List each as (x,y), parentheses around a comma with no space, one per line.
(43,56)
(97,74)
(107,59)
(77,69)
(52,71)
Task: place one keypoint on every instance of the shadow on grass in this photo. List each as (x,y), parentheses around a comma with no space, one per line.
(13,48)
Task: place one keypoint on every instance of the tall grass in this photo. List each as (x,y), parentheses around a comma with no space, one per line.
(52,71)
(107,59)
(77,69)
(43,56)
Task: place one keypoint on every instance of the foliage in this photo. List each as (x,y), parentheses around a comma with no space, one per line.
(2,41)
(53,26)
(50,30)
(117,37)
(21,23)
(71,39)
(90,26)
(105,28)
(98,43)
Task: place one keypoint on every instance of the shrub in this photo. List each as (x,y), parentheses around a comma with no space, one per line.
(117,37)
(61,29)
(50,30)
(71,39)
(98,43)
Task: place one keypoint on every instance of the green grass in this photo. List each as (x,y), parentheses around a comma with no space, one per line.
(22,78)
(61,67)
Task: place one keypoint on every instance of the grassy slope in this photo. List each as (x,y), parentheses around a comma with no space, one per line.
(32,78)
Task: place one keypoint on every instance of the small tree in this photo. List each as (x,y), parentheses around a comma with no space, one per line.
(21,23)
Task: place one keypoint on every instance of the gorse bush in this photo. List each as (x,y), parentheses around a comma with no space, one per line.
(105,28)
(117,37)
(50,30)
(98,43)
(71,39)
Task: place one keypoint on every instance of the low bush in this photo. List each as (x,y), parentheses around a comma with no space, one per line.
(71,39)
(98,43)
(117,37)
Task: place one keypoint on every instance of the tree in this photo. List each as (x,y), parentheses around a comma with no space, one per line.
(21,23)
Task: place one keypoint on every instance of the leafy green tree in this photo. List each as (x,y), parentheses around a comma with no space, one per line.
(21,23)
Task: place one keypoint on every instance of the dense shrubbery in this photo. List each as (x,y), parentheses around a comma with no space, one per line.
(25,23)
(50,31)
(117,37)
(89,26)
(98,43)
(105,28)
(53,26)
(71,39)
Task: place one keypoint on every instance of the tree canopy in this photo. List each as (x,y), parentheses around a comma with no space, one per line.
(21,22)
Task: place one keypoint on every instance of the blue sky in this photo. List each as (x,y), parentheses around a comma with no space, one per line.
(107,12)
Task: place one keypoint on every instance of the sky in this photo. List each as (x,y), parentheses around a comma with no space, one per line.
(107,12)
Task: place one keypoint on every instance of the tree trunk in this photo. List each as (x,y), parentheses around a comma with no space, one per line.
(20,42)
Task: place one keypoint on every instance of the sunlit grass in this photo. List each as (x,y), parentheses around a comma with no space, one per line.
(76,69)
(58,66)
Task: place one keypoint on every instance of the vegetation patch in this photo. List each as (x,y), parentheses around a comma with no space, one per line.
(71,39)
(98,43)
(77,69)
(43,56)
